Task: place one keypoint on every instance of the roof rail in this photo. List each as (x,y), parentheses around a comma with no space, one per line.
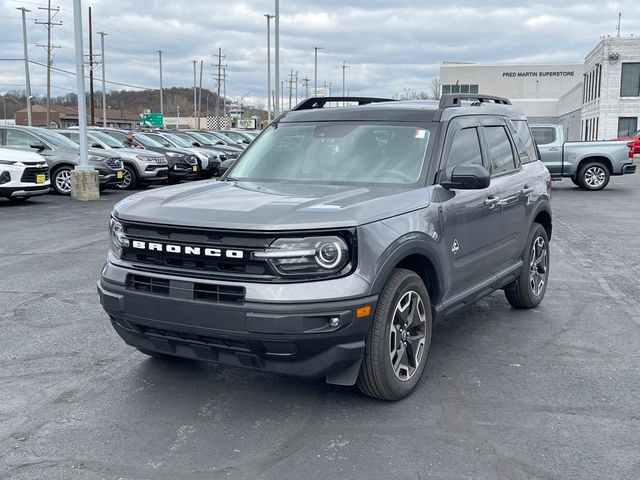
(454,99)
(319,102)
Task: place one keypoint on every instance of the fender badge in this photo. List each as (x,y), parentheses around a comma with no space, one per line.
(455,246)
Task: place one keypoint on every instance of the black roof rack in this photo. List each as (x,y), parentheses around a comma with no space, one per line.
(454,99)
(319,102)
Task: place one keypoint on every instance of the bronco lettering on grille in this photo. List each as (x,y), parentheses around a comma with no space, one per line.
(187,250)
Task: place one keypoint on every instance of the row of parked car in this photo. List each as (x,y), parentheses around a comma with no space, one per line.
(34,160)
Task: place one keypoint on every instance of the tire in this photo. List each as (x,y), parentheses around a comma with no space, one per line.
(593,176)
(129,179)
(527,292)
(386,343)
(61,180)
(576,182)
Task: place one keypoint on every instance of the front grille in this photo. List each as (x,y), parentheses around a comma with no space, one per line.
(160,160)
(204,340)
(30,173)
(189,291)
(114,163)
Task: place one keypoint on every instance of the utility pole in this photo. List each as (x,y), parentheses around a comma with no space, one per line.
(269,17)
(49,25)
(296,87)
(277,59)
(290,87)
(178,109)
(161,99)
(104,81)
(219,80)
(282,94)
(26,62)
(224,91)
(344,69)
(91,100)
(315,70)
(619,22)
(305,82)
(195,107)
(200,94)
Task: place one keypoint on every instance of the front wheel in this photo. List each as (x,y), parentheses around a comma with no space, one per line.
(129,179)
(398,343)
(593,176)
(61,180)
(529,289)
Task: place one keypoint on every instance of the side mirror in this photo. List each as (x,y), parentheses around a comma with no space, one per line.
(196,144)
(219,142)
(246,141)
(38,146)
(468,177)
(96,145)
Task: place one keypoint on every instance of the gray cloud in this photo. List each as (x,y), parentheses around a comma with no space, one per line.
(390,45)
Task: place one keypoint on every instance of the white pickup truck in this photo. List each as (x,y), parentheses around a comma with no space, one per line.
(22,174)
(588,164)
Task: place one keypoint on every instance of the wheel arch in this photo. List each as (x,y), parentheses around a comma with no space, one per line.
(418,254)
(604,160)
(543,217)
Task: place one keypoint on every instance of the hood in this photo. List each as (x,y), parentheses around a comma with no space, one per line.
(133,152)
(270,206)
(26,157)
(165,150)
(100,152)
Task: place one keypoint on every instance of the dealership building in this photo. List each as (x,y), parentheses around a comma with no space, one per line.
(597,99)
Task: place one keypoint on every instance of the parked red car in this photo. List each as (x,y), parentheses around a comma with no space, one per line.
(633,140)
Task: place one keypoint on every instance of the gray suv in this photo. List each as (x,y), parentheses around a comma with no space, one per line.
(62,155)
(337,239)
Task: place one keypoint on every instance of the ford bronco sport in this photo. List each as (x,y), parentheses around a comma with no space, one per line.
(336,240)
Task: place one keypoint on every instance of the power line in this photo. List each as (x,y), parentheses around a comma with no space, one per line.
(107,81)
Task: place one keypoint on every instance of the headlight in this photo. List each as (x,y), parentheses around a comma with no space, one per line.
(175,154)
(313,255)
(95,158)
(145,158)
(7,162)
(117,237)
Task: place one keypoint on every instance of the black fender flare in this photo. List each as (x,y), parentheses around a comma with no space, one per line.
(414,243)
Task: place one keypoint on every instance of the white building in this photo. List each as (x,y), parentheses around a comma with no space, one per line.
(595,100)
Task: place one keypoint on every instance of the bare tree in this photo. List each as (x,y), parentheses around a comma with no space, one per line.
(435,88)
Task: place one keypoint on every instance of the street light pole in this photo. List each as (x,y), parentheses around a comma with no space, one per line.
(161,100)
(277,59)
(26,63)
(82,104)
(315,70)
(104,88)
(269,17)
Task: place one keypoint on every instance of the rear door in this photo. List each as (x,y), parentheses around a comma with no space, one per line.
(550,147)
(471,219)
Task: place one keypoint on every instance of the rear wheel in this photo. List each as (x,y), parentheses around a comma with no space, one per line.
(528,291)
(61,180)
(593,176)
(398,343)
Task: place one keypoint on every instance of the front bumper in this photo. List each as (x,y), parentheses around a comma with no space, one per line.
(24,191)
(183,171)
(288,338)
(109,178)
(154,173)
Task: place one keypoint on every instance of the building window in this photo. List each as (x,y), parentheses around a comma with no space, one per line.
(630,84)
(627,126)
(457,88)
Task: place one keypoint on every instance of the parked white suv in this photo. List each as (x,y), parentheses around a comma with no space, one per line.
(22,174)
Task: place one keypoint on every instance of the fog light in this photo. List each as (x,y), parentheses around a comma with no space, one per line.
(5,177)
(334,322)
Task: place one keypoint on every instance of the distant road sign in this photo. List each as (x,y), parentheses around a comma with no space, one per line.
(247,124)
(152,119)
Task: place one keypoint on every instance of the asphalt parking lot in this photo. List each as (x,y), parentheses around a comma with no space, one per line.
(552,393)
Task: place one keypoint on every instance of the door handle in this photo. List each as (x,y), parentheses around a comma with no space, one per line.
(491,202)
(554,149)
(527,190)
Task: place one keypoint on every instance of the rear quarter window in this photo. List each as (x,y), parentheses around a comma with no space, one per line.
(525,143)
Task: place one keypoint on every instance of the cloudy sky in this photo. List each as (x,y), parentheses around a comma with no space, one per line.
(390,45)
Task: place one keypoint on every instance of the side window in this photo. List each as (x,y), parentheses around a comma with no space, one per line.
(465,150)
(528,151)
(544,135)
(500,148)
(19,139)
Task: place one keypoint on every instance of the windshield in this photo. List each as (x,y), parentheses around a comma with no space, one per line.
(165,142)
(57,139)
(202,138)
(146,141)
(225,137)
(178,141)
(238,137)
(106,139)
(341,152)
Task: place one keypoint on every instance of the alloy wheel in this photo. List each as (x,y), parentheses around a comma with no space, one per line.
(595,176)
(126,179)
(407,336)
(538,266)
(63,181)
